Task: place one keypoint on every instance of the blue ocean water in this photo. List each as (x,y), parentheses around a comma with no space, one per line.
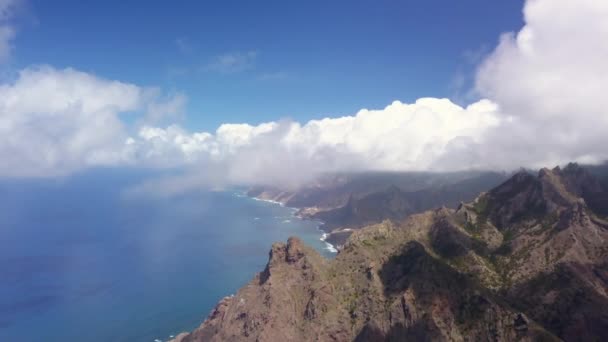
(79,261)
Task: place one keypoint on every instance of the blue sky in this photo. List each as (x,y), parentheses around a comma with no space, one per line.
(302,60)
(228,91)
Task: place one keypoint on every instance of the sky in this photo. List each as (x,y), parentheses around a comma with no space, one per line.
(297,59)
(241,92)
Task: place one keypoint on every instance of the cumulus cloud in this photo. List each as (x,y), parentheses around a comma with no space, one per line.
(550,81)
(163,108)
(54,122)
(398,137)
(543,104)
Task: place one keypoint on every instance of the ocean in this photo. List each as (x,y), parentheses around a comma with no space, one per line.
(80,261)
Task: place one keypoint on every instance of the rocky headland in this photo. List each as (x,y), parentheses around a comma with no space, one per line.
(344,203)
(525,261)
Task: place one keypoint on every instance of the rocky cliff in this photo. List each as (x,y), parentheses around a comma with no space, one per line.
(351,201)
(332,191)
(527,260)
(395,204)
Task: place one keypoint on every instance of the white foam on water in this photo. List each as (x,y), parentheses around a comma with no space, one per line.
(267,200)
(330,247)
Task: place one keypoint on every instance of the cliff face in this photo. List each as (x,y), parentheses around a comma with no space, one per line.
(352,201)
(395,204)
(333,191)
(525,261)
(285,302)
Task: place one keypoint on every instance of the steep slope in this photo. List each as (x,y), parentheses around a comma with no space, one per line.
(332,191)
(552,260)
(600,172)
(413,295)
(395,204)
(392,204)
(525,261)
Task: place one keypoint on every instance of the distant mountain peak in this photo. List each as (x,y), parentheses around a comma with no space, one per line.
(531,243)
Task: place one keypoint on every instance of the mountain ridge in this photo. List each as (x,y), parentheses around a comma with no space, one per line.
(343,203)
(526,260)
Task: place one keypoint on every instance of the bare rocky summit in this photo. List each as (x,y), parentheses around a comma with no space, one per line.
(526,261)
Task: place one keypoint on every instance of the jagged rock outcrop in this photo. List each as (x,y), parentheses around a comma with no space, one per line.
(527,260)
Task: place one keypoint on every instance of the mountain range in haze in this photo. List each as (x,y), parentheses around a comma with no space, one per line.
(526,261)
(345,202)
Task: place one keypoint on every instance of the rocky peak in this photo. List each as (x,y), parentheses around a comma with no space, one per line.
(518,198)
(295,250)
(520,183)
(574,168)
(556,193)
(526,198)
(576,180)
(581,182)
(525,261)
(294,255)
(290,252)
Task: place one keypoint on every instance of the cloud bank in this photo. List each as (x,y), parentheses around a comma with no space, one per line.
(398,137)
(543,103)
(55,122)
(550,81)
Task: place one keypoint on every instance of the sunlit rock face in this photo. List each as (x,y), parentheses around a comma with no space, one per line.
(503,267)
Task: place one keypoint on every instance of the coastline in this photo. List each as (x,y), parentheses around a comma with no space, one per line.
(329,247)
(324,234)
(267,200)
(329,250)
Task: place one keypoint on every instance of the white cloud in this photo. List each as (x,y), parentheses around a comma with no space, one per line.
(160,109)
(550,80)
(54,122)
(399,137)
(545,104)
